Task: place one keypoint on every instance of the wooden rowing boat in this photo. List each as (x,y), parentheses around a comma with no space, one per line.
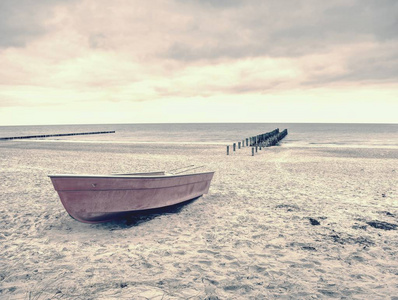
(101,198)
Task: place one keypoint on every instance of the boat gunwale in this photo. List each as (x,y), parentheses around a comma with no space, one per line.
(125,176)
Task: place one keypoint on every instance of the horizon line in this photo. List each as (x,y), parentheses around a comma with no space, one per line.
(158,123)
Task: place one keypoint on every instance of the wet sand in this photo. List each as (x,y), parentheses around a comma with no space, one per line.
(288,223)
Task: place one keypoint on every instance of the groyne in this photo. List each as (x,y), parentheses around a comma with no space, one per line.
(51,135)
(260,141)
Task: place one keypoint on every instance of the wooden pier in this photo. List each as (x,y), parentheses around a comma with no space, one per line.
(261,141)
(51,135)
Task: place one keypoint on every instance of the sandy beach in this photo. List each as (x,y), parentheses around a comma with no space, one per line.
(288,223)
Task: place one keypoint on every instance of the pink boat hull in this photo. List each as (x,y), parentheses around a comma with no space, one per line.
(96,198)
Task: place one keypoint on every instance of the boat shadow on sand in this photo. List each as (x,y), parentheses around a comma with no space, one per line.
(136,218)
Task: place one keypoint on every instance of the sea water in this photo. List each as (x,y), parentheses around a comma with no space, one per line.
(300,134)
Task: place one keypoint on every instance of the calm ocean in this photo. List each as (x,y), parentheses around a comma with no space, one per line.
(300,135)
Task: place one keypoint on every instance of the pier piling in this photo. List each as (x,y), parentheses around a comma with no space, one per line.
(261,141)
(51,135)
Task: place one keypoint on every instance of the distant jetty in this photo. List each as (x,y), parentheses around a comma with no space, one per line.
(51,135)
(260,141)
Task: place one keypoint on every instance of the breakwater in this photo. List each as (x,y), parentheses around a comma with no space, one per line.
(51,135)
(260,141)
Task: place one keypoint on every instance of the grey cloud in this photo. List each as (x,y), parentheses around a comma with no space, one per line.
(378,18)
(185,52)
(367,68)
(288,28)
(374,66)
(262,87)
(97,40)
(215,3)
(23,20)
(295,29)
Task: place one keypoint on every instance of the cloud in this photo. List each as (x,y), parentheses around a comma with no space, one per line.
(283,28)
(24,20)
(136,51)
(366,63)
(373,66)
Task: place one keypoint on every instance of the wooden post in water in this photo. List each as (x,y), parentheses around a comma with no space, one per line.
(51,135)
(259,141)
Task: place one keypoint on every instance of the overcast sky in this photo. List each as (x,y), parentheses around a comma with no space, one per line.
(126,61)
